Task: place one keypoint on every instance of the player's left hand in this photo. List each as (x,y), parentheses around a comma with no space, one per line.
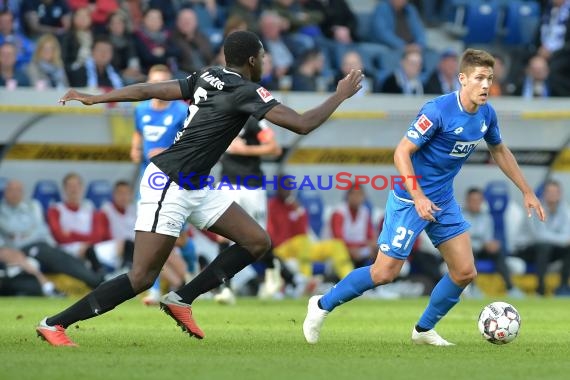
(75,95)
(532,202)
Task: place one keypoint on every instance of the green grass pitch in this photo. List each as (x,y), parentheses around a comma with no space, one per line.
(366,339)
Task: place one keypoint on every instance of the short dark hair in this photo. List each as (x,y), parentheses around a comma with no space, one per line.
(239,46)
(121,183)
(472,58)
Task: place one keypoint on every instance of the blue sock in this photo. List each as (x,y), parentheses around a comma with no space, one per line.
(353,285)
(443,297)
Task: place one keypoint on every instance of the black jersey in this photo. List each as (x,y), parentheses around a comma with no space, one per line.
(221,103)
(236,166)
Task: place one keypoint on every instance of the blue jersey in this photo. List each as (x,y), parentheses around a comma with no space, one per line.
(158,128)
(447,135)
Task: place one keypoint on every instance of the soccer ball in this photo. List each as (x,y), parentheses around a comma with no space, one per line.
(499,323)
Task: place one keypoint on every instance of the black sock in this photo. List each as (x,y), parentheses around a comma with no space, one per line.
(91,256)
(421,329)
(104,298)
(128,251)
(224,267)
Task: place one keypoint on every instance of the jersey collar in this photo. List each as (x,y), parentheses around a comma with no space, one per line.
(230,71)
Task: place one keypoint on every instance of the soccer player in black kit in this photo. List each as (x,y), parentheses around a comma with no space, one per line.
(222,99)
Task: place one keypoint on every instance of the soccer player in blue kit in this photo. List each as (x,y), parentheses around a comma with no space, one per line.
(438,142)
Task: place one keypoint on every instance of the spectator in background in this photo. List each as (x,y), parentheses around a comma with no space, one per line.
(535,83)
(300,26)
(14,7)
(352,60)
(500,86)
(397,24)
(550,241)
(444,79)
(153,43)
(79,228)
(125,59)
(31,282)
(99,10)
(45,16)
(338,23)
(288,227)
(307,74)
(554,30)
(484,245)
(23,227)
(560,72)
(351,222)
(247,10)
(119,216)
(406,78)
(233,24)
(24,46)
(77,42)
(270,26)
(46,69)
(10,76)
(268,76)
(97,71)
(194,47)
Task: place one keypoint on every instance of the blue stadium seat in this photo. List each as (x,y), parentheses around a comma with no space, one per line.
(314,205)
(46,192)
(522,19)
(481,19)
(497,195)
(3,182)
(99,191)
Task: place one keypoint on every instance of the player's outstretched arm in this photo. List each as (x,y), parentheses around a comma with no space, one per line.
(169,90)
(310,120)
(508,164)
(403,162)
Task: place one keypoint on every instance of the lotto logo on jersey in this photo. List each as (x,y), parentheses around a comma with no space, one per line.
(423,124)
(463,148)
(264,94)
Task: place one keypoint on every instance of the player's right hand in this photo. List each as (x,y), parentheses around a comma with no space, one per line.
(426,208)
(350,84)
(74,95)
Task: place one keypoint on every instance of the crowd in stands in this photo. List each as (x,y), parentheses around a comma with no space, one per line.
(309,43)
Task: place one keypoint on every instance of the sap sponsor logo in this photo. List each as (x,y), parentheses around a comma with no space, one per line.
(413,134)
(463,148)
(153,133)
(212,80)
(458,130)
(423,124)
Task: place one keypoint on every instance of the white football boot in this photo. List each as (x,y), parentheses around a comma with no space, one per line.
(429,337)
(314,320)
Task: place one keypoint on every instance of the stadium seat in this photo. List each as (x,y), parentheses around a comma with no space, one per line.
(46,192)
(313,203)
(481,19)
(521,20)
(99,191)
(497,195)
(3,182)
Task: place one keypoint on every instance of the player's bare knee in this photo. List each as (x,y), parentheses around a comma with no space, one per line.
(259,245)
(464,277)
(142,280)
(381,276)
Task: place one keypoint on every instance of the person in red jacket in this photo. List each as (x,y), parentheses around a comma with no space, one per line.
(351,222)
(288,227)
(80,229)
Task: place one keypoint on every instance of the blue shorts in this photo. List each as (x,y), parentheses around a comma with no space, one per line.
(402,226)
